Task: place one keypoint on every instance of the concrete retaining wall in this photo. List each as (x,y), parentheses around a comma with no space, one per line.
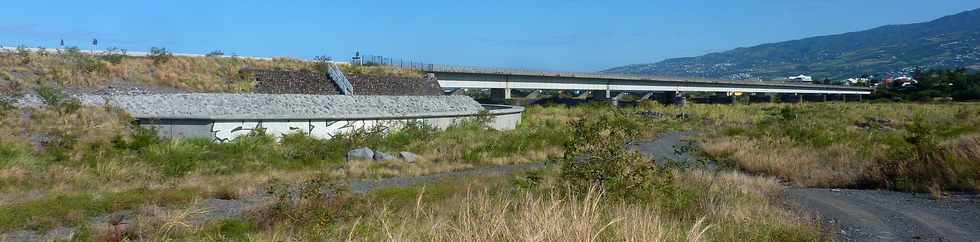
(223,117)
(501,118)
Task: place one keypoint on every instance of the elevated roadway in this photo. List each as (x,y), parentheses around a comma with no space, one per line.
(502,81)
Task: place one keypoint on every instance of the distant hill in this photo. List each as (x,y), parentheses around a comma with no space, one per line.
(949,42)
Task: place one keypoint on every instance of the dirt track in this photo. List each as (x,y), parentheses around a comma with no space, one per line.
(863,215)
(869,215)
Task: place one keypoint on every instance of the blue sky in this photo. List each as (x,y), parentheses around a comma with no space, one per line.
(569,35)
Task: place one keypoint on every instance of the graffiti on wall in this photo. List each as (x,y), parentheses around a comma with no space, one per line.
(228,130)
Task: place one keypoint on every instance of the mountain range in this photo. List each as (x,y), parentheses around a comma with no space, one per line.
(948,42)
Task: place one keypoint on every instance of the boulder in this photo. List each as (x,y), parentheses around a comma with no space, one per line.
(381,156)
(408,156)
(363,153)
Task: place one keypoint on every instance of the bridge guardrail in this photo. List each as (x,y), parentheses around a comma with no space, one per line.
(421,66)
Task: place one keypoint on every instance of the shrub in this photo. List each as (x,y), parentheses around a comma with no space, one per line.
(141,138)
(113,55)
(597,155)
(24,54)
(56,98)
(320,201)
(923,164)
(232,230)
(216,53)
(160,55)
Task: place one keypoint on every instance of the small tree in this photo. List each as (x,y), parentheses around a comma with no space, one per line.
(160,55)
(216,53)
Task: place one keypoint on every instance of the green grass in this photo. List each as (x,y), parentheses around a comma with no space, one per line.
(739,207)
(76,210)
(883,142)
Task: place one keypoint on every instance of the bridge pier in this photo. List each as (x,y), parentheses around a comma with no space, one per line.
(584,95)
(721,99)
(669,97)
(852,97)
(760,98)
(620,95)
(790,98)
(458,92)
(836,97)
(815,97)
(533,95)
(500,94)
(678,99)
(646,96)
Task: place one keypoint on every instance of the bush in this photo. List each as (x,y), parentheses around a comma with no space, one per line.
(923,164)
(160,55)
(597,155)
(56,98)
(113,55)
(216,53)
(319,201)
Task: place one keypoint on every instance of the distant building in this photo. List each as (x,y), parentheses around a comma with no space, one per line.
(902,81)
(857,81)
(800,78)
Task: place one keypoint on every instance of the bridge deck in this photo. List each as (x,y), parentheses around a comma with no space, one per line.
(618,77)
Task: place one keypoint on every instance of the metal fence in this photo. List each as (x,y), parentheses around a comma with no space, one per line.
(386,61)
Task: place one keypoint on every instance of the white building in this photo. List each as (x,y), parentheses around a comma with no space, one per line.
(905,81)
(857,81)
(800,78)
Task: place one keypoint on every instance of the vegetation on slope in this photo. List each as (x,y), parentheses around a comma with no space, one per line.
(910,147)
(957,85)
(26,69)
(948,42)
(58,173)
(555,203)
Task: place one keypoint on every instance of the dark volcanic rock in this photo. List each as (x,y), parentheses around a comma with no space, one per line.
(292,82)
(395,85)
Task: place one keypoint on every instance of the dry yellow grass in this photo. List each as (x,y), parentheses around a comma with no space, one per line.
(483,216)
(732,206)
(832,166)
(965,148)
(186,73)
(355,70)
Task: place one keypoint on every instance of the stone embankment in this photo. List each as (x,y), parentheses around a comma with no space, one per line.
(395,85)
(310,82)
(291,82)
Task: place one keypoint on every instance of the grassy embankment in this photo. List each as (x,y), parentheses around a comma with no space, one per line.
(902,146)
(26,70)
(63,165)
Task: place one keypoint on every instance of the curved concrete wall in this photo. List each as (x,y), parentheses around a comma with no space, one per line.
(223,117)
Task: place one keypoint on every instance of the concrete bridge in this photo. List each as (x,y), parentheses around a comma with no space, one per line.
(502,81)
